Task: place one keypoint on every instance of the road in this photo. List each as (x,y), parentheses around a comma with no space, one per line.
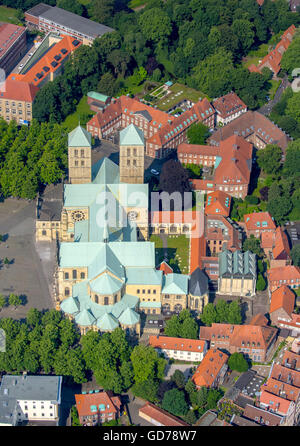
(267,108)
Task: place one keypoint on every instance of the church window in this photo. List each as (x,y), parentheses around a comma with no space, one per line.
(106,300)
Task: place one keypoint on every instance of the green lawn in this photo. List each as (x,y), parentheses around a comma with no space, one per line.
(9,15)
(178,253)
(136,3)
(254,56)
(82,114)
(187,93)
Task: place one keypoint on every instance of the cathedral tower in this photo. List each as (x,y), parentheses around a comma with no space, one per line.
(132,154)
(80,156)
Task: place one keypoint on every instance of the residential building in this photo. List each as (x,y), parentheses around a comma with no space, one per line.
(12,46)
(163,132)
(278,405)
(258,223)
(212,370)
(287,275)
(228,108)
(218,203)
(237,420)
(237,273)
(231,161)
(50,64)
(262,417)
(179,348)
(159,417)
(273,58)
(97,101)
(254,341)
(276,246)
(48,18)
(255,128)
(282,305)
(16,100)
(27,398)
(97,408)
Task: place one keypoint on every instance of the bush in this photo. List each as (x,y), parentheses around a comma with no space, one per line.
(261,283)
(251,199)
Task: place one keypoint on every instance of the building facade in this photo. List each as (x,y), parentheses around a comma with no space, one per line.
(12,45)
(179,348)
(96,408)
(237,273)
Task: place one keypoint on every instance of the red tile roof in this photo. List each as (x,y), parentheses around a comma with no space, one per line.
(84,403)
(165,268)
(259,319)
(65,44)
(161,416)
(209,368)
(9,33)
(285,374)
(267,240)
(197,251)
(281,389)
(197,149)
(274,402)
(207,185)
(255,221)
(281,244)
(284,298)
(293,323)
(289,272)
(18,91)
(229,104)
(180,344)
(291,359)
(219,203)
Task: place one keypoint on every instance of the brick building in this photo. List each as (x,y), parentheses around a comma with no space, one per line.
(179,348)
(259,222)
(16,100)
(159,417)
(97,408)
(212,370)
(12,45)
(288,275)
(228,108)
(162,132)
(254,341)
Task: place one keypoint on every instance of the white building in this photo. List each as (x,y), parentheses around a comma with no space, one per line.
(181,349)
(29,398)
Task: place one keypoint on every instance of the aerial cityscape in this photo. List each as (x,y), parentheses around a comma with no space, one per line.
(150,214)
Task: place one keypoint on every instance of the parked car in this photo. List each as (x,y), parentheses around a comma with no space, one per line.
(30,54)
(154,172)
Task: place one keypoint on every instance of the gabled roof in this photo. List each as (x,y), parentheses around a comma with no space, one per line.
(99,402)
(284,273)
(160,416)
(274,402)
(105,171)
(18,90)
(179,344)
(259,220)
(284,298)
(79,137)
(132,136)
(218,202)
(281,245)
(228,105)
(210,367)
(106,284)
(175,284)
(85,318)
(165,268)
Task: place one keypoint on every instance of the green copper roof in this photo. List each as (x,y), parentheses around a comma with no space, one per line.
(105,260)
(143,276)
(85,318)
(129,317)
(98,96)
(107,322)
(70,305)
(106,284)
(132,136)
(175,284)
(150,304)
(105,171)
(79,137)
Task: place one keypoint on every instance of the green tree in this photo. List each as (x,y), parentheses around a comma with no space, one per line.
(71,5)
(234,313)
(175,403)
(33,317)
(146,363)
(190,417)
(3,301)
(197,133)
(269,158)
(107,84)
(291,165)
(155,25)
(146,390)
(293,107)
(295,255)
(291,57)
(102,10)
(261,283)
(237,362)
(244,30)
(209,315)
(252,244)
(14,300)
(178,378)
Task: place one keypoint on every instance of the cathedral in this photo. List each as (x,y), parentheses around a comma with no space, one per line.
(106,274)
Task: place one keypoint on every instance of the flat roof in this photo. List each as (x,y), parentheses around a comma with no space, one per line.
(31,387)
(37,10)
(75,22)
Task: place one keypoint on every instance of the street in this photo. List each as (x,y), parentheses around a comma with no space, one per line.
(267,108)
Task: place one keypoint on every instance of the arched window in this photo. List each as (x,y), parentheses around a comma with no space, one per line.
(96,299)
(106,300)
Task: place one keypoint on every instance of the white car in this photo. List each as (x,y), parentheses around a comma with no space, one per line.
(154,172)
(21,66)
(30,54)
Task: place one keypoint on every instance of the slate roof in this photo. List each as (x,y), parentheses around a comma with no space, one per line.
(198,283)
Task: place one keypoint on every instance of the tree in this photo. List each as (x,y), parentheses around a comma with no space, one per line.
(146,364)
(237,362)
(293,107)
(213,397)
(190,417)
(279,203)
(295,255)
(107,84)
(175,403)
(179,378)
(234,313)
(71,5)
(291,57)
(3,301)
(291,165)
(261,283)
(102,10)
(146,390)
(14,300)
(269,158)
(253,244)
(209,315)
(174,178)
(155,25)
(197,133)
(33,317)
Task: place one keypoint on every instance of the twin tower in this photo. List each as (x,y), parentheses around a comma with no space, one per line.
(132,155)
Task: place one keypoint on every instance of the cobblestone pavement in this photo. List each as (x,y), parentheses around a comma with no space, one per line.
(26,273)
